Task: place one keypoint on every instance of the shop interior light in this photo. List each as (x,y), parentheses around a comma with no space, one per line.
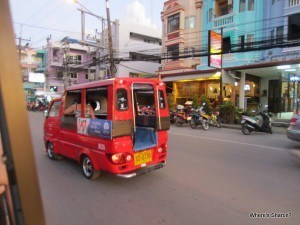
(235,83)
(290,70)
(283,67)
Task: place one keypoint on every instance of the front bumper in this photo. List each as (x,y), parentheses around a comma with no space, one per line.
(142,170)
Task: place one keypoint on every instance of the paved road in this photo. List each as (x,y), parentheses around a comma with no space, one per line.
(218,176)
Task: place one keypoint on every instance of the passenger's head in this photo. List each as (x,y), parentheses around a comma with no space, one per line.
(93,104)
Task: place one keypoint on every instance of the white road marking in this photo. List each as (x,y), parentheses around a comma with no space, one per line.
(235,142)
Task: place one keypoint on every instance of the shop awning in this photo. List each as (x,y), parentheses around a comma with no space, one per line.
(189,77)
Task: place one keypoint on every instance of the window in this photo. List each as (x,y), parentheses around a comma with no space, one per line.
(73,76)
(210,14)
(241,41)
(53,88)
(190,22)
(250,5)
(189,51)
(279,35)
(250,40)
(272,36)
(173,23)
(273,2)
(73,59)
(226,45)
(86,76)
(173,52)
(98,96)
(122,99)
(242,5)
(162,102)
(54,110)
(294,27)
(72,98)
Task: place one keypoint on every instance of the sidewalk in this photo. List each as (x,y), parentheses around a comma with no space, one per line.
(278,125)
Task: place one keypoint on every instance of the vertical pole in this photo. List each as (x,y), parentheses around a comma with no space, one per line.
(82,26)
(111,54)
(20,42)
(221,75)
(242,91)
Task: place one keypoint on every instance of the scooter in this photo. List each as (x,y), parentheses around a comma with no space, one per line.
(199,118)
(214,119)
(181,116)
(172,116)
(250,124)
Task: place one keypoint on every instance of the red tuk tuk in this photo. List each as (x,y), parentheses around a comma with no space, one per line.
(127,135)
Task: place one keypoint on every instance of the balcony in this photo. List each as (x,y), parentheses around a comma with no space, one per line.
(223,20)
(172,65)
(175,37)
(293,3)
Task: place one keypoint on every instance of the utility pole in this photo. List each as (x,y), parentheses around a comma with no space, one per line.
(111,53)
(20,47)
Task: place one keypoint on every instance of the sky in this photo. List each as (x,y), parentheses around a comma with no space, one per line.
(35,20)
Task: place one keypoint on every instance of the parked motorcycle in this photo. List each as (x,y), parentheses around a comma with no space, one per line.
(172,116)
(182,115)
(250,124)
(198,117)
(214,119)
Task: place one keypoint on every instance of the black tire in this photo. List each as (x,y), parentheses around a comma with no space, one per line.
(205,124)
(172,121)
(178,122)
(245,129)
(88,169)
(50,152)
(193,123)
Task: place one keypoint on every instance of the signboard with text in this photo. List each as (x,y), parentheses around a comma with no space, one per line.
(94,127)
(215,49)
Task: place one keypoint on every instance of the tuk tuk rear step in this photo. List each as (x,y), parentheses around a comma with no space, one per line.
(142,171)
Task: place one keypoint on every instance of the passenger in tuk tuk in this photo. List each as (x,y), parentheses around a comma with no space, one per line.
(76,109)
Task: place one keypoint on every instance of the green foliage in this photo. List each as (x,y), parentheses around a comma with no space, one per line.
(171,102)
(205,100)
(195,102)
(228,112)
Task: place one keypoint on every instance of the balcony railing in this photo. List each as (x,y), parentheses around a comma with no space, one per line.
(294,3)
(223,20)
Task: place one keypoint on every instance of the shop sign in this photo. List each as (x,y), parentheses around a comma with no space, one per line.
(215,50)
(294,78)
(37,77)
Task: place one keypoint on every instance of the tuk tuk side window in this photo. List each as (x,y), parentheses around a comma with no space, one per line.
(122,99)
(162,102)
(72,99)
(54,110)
(98,97)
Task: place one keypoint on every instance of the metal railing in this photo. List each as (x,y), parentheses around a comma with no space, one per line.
(223,20)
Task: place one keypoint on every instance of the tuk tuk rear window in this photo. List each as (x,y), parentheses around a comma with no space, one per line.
(122,99)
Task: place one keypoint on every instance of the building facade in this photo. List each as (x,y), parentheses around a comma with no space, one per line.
(257,38)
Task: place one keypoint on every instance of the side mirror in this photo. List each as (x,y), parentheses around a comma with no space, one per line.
(45,113)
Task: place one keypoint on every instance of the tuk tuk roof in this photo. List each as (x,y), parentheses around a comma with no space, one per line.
(107,82)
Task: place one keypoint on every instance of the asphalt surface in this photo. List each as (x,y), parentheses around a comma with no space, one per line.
(219,176)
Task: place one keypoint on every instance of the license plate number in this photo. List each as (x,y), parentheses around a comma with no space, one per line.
(142,157)
(189,118)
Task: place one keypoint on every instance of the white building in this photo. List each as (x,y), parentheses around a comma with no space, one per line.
(138,48)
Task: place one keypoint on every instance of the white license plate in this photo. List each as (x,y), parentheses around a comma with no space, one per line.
(243,121)
(188,118)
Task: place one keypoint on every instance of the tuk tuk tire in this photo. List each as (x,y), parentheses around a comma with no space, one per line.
(88,169)
(50,152)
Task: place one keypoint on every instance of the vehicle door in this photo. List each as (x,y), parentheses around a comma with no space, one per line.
(52,122)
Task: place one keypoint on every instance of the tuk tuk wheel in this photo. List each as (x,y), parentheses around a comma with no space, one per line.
(88,169)
(50,152)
